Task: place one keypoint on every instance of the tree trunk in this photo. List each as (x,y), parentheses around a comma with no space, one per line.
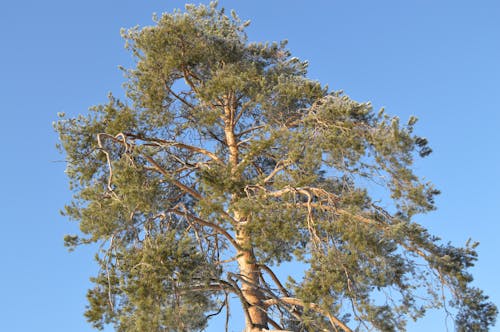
(256,320)
(249,272)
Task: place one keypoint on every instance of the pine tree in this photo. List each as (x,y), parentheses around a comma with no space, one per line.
(225,161)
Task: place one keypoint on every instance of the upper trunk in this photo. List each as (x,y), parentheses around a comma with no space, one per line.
(256,320)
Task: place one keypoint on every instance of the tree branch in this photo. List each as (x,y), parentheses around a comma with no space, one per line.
(249,130)
(279,167)
(182,100)
(191,148)
(185,188)
(276,326)
(243,301)
(203,222)
(178,184)
(294,301)
(275,279)
(243,108)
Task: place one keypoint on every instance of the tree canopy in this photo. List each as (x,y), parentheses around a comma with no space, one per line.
(224,161)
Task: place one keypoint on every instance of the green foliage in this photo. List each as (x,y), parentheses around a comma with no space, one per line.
(225,148)
(148,289)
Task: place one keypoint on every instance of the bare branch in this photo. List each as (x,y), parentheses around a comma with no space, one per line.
(215,137)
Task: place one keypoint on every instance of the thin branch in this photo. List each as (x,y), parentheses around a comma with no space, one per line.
(186,73)
(191,148)
(243,301)
(178,184)
(294,301)
(217,312)
(249,130)
(281,165)
(185,188)
(226,261)
(275,279)
(179,98)
(217,285)
(108,159)
(215,137)
(215,227)
(226,325)
(243,108)
(307,191)
(276,326)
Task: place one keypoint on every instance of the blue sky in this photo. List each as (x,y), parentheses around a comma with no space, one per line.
(438,60)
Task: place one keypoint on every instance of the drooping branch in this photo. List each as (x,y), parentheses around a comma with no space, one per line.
(215,137)
(188,75)
(220,285)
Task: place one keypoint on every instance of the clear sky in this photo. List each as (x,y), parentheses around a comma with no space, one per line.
(438,60)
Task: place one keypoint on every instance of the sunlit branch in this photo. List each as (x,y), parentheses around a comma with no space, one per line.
(215,285)
(185,188)
(288,189)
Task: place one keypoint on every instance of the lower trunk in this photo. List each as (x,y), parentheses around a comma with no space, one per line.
(249,272)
